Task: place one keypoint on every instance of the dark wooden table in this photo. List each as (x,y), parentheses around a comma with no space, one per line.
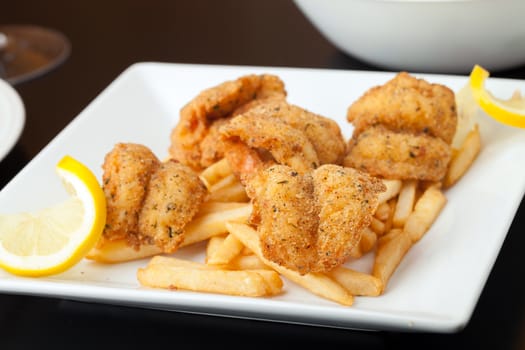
(107,37)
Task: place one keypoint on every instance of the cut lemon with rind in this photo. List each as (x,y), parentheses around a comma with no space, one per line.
(56,238)
(510,112)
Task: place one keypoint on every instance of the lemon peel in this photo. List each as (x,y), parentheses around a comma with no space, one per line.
(509,112)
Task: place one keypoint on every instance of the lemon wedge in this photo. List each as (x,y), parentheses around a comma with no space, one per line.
(510,112)
(54,239)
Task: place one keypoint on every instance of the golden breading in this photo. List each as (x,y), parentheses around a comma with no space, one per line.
(407,104)
(311,222)
(398,155)
(175,194)
(347,199)
(285,216)
(274,131)
(266,141)
(212,104)
(323,133)
(127,170)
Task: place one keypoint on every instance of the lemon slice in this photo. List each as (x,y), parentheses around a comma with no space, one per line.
(510,112)
(55,238)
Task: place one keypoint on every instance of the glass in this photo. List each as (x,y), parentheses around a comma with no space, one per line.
(28,51)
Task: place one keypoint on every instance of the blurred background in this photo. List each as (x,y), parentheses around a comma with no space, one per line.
(108,36)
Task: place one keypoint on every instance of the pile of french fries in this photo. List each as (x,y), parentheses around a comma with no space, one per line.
(234,263)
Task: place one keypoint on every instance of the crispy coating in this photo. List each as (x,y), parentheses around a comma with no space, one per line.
(324,133)
(348,198)
(175,194)
(399,155)
(213,104)
(252,142)
(285,214)
(282,133)
(310,222)
(407,104)
(127,170)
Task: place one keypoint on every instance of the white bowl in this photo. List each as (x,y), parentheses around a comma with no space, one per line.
(443,36)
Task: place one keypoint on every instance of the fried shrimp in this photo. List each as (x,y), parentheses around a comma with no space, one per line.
(399,155)
(276,132)
(403,130)
(407,104)
(148,201)
(323,133)
(127,170)
(212,105)
(310,222)
(175,194)
(259,142)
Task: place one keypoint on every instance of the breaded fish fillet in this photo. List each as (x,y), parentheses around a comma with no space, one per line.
(407,104)
(127,170)
(310,222)
(213,104)
(398,155)
(175,194)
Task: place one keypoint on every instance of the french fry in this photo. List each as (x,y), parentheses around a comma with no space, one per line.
(273,280)
(199,229)
(389,221)
(391,248)
(233,192)
(357,283)
(405,202)
(317,283)
(213,244)
(224,182)
(383,211)
(111,252)
(392,189)
(247,262)
(426,210)
(226,251)
(209,207)
(206,226)
(215,172)
(463,158)
(368,241)
(181,274)
(377,226)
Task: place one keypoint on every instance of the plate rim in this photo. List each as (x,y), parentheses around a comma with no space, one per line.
(444,325)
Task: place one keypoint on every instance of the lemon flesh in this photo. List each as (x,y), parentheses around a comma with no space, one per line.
(55,238)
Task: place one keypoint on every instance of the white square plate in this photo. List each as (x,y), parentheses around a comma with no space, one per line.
(435,288)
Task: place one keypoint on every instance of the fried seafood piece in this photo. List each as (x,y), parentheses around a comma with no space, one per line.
(127,170)
(275,131)
(310,222)
(252,142)
(324,133)
(175,194)
(398,155)
(211,105)
(407,104)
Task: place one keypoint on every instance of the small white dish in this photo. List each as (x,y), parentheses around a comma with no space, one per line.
(436,286)
(12,118)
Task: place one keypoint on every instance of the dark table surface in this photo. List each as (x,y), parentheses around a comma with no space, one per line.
(107,37)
